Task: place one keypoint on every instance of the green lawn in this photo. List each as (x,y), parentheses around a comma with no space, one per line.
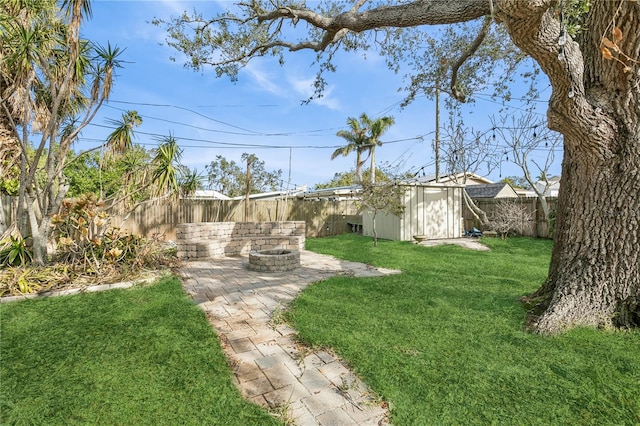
(129,357)
(444,343)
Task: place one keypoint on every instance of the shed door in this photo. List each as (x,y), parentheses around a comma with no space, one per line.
(436,213)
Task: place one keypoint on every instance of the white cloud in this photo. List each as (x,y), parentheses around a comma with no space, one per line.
(263,79)
(174,7)
(280,81)
(304,89)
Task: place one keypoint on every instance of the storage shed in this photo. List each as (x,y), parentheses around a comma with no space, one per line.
(432,210)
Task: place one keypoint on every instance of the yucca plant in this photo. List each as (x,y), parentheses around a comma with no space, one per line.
(14,251)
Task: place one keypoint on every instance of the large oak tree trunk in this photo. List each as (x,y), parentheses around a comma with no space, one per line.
(594,277)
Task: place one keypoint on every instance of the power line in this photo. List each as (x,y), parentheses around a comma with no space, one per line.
(243,145)
(185,109)
(239,106)
(247,132)
(217,144)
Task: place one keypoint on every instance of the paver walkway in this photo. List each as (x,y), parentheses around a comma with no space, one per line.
(310,388)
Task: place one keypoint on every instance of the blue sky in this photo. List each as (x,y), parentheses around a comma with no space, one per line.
(212,116)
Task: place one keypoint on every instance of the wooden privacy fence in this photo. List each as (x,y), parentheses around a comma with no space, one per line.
(7,207)
(321,217)
(536,226)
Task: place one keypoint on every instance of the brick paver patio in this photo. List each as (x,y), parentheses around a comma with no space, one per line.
(309,388)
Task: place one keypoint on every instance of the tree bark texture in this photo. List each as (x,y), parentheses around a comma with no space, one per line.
(594,277)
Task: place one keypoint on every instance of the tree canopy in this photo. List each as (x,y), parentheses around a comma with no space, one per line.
(428,57)
(350,178)
(230,178)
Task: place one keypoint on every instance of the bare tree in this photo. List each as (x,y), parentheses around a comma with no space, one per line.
(466,151)
(509,216)
(524,135)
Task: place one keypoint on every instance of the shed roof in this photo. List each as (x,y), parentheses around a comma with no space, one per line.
(343,192)
(457,178)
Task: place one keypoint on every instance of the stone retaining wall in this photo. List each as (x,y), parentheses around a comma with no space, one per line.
(217,239)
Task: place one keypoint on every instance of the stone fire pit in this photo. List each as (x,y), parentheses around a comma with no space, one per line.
(276,260)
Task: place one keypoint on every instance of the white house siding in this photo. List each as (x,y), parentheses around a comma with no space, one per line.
(433,211)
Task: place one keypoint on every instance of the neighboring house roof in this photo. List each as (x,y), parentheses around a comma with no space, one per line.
(273,194)
(337,193)
(209,194)
(525,192)
(456,178)
(492,190)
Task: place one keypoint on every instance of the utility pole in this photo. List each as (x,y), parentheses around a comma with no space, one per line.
(373,163)
(248,188)
(437,141)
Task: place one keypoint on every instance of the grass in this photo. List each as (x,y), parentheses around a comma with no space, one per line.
(141,356)
(444,343)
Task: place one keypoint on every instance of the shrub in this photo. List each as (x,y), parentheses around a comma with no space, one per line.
(85,237)
(88,251)
(509,216)
(14,251)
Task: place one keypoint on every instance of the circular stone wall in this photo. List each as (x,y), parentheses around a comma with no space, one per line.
(276,260)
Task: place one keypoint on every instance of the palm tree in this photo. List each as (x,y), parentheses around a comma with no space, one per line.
(375,129)
(121,139)
(57,82)
(166,166)
(190,182)
(356,141)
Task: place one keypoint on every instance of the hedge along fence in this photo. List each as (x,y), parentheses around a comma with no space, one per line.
(321,217)
(536,226)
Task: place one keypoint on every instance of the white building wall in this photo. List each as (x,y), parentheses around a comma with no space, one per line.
(387,225)
(433,211)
